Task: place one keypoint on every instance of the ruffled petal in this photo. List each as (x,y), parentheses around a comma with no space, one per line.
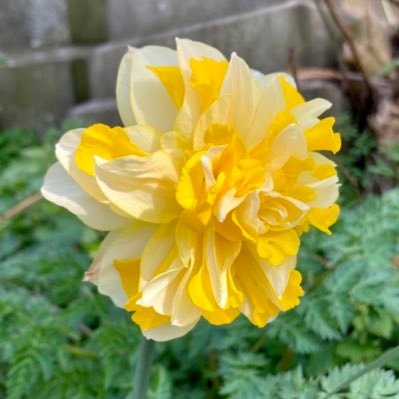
(143,187)
(191,108)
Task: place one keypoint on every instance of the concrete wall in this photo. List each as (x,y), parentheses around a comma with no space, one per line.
(63,54)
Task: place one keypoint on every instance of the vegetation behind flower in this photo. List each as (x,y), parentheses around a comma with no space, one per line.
(59,338)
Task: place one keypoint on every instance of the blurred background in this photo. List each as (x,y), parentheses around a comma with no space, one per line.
(60,339)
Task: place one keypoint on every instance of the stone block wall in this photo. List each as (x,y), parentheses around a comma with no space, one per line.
(63,54)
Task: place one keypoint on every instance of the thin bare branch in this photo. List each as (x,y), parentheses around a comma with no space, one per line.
(20,207)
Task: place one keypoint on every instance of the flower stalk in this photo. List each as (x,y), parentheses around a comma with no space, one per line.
(143,368)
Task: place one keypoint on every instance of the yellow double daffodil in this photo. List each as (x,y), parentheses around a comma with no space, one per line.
(206,190)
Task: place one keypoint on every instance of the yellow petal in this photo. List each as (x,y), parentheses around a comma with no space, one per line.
(293,291)
(148,318)
(171,78)
(324,218)
(276,246)
(104,142)
(291,95)
(207,78)
(219,317)
(321,137)
(129,272)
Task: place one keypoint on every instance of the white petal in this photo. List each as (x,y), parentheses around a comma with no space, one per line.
(127,243)
(151,102)
(123,90)
(60,188)
(167,332)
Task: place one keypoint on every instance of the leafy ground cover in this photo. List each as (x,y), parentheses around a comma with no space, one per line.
(60,339)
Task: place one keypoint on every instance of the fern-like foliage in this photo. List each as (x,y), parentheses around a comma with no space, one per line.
(60,339)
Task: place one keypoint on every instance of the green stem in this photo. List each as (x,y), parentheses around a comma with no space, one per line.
(143,368)
(379,362)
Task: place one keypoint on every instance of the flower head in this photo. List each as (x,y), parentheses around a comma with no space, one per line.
(206,190)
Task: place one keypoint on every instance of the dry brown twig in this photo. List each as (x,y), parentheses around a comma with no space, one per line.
(20,207)
(348,37)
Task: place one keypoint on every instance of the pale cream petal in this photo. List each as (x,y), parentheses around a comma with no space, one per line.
(271,102)
(65,151)
(184,312)
(123,89)
(240,85)
(160,248)
(290,142)
(145,137)
(127,243)
(160,292)
(152,104)
(60,188)
(187,241)
(167,332)
(307,113)
(143,187)
(219,254)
